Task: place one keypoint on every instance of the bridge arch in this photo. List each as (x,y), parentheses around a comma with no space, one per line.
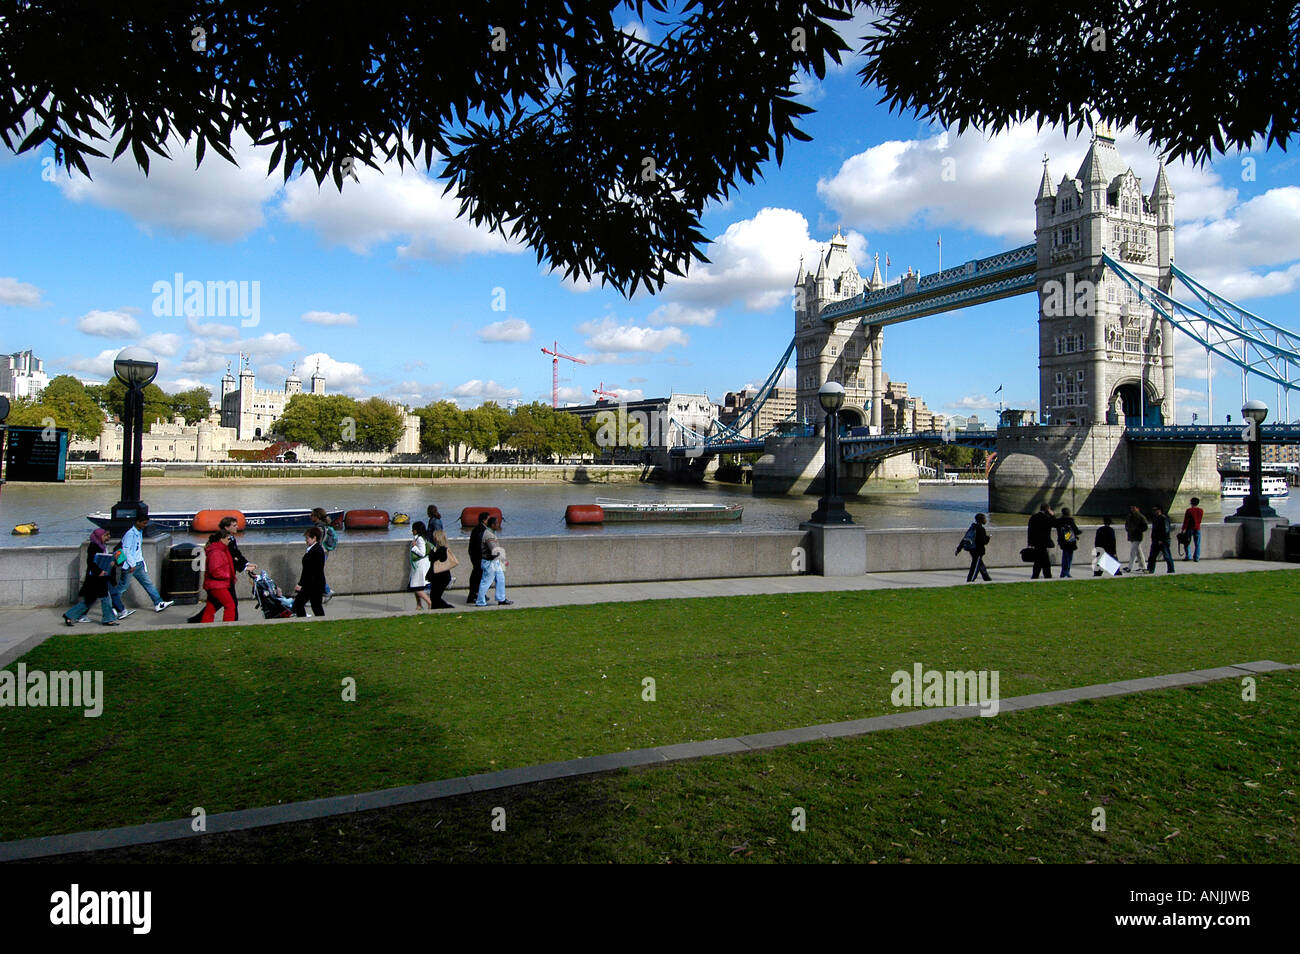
(852,416)
(1126,402)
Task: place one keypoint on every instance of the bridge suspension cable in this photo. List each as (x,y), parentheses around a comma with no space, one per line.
(735,430)
(1253,344)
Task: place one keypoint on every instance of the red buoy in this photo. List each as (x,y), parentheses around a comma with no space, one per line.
(469,516)
(584,514)
(366,519)
(209,521)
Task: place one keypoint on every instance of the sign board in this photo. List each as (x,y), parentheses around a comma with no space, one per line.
(36,454)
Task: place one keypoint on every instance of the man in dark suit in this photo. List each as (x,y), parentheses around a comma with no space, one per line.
(1040,539)
(476,557)
(311,584)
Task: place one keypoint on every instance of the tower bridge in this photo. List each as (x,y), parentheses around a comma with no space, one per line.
(1102,265)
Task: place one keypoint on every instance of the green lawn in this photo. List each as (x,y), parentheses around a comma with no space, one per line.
(228,718)
(1192,775)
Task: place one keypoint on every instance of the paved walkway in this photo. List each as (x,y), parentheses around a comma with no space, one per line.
(23,629)
(592,765)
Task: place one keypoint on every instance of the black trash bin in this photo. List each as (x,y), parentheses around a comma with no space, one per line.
(183,573)
(1291,544)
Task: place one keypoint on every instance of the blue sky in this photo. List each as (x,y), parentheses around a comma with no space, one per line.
(395,296)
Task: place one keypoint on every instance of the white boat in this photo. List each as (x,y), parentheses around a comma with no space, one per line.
(1272,487)
(616,511)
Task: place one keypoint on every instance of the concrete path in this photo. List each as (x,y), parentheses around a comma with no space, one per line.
(592,765)
(23,629)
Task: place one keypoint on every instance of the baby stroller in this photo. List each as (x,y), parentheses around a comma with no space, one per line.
(270,600)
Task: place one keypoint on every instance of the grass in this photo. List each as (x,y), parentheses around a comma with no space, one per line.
(237,717)
(1192,775)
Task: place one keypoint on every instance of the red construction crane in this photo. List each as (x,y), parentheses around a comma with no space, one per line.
(600,392)
(556,355)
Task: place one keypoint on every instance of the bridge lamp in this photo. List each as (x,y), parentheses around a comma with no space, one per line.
(830,508)
(1254,412)
(135,367)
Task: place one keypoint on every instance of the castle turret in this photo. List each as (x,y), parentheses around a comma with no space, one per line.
(293,383)
(317,381)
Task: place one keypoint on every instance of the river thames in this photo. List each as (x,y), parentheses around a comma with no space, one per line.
(529,509)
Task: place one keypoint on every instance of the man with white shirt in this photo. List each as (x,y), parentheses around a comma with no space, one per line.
(134,566)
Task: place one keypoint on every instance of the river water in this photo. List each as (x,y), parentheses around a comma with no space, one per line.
(529,509)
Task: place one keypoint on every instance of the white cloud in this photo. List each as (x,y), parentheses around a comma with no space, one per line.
(1231,253)
(675,313)
(218,200)
(753,263)
(341,377)
(101,365)
(389,205)
(987,184)
(21,294)
(510,329)
(164,344)
(475,391)
(281,343)
(974,402)
(210,330)
(108,324)
(608,335)
(329,318)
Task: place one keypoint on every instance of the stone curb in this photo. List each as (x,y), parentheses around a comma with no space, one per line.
(130,836)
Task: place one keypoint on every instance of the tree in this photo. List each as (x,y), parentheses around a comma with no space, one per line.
(65,401)
(318,420)
(157,405)
(484,426)
(596,148)
(442,424)
(379,426)
(194,405)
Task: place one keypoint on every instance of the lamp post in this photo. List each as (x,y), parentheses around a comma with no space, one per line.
(830,509)
(1254,412)
(135,367)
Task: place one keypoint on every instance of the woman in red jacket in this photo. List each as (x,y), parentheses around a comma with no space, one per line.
(218,578)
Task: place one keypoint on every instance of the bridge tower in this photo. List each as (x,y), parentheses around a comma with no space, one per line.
(1103,355)
(846,352)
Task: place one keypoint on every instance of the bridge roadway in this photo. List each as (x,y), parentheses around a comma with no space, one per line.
(978,281)
(878,446)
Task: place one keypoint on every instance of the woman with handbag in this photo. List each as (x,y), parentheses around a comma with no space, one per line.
(443,562)
(419,557)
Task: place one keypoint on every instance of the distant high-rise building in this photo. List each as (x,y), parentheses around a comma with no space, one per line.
(22,375)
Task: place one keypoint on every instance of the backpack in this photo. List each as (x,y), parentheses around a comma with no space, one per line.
(1068,538)
(330,540)
(968,541)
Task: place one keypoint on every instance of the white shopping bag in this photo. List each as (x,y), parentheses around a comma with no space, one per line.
(1108,563)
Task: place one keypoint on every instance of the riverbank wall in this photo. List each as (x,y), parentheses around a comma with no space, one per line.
(156,473)
(50,576)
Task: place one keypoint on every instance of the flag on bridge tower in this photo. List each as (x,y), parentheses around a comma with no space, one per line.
(940,253)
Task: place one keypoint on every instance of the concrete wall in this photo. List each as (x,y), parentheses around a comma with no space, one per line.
(933,549)
(51,576)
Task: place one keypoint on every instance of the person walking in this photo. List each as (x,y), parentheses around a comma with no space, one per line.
(134,567)
(329,540)
(311,583)
(494,566)
(439,580)
(476,557)
(1067,536)
(419,560)
(434,522)
(1040,540)
(1159,541)
(976,541)
(1135,527)
(1192,527)
(218,580)
(1103,542)
(228,527)
(94,586)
